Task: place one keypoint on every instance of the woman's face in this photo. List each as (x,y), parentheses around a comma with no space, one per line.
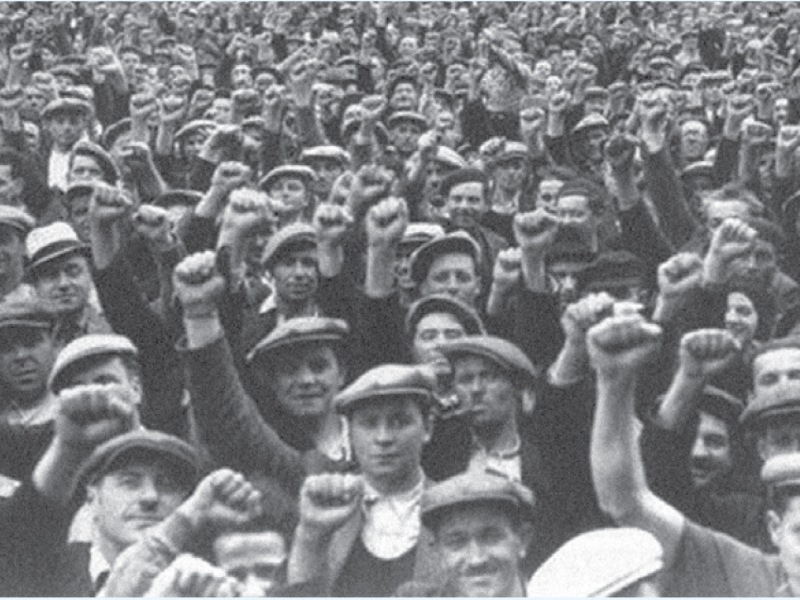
(741,318)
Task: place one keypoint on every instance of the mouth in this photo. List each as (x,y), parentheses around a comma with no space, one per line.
(144,522)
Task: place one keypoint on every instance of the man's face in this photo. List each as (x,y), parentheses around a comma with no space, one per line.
(694,140)
(134,497)
(32,135)
(741,317)
(404,136)
(711,453)
(407,47)
(387,436)
(130,60)
(780,114)
(480,548)
(574,210)
(241,77)
(327,170)
(718,211)
(565,281)
(758,265)
(10,187)
(255,560)
(84,168)
(785,533)
(26,357)
(306,379)
(66,282)
(466,204)
(221,111)
(453,274)
(488,392)
(109,371)
(404,97)
(66,129)
(295,275)
(432,331)
(510,173)
(35,100)
(594,144)
(547,195)
(291,192)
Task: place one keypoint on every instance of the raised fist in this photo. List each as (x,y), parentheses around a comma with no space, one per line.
(579,316)
(535,230)
(706,352)
(198,284)
(229,176)
(191,577)
(731,240)
(247,211)
(331,222)
(622,345)
(369,184)
(89,415)
(558,102)
(142,106)
(328,501)
(154,225)
(680,274)
(108,204)
(386,222)
(222,499)
(507,270)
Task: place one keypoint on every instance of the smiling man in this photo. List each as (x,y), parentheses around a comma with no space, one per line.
(59,268)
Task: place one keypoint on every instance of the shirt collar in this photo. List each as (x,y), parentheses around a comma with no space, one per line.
(98,567)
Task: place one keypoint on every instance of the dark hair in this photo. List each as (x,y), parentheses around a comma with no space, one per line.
(778,497)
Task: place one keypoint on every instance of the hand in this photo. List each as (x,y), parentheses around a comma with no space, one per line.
(191,577)
(143,106)
(755,133)
(680,274)
(198,284)
(302,80)
(11,99)
(138,157)
(247,212)
(229,176)
(21,53)
(737,109)
(530,121)
(373,108)
(535,231)
(558,102)
(154,225)
(109,205)
(621,346)
(224,140)
(89,415)
(172,110)
(507,270)
(706,352)
(654,123)
(386,222)
(370,183)
(332,223)
(328,501)
(428,73)
(246,101)
(731,240)
(619,152)
(222,499)
(788,139)
(579,316)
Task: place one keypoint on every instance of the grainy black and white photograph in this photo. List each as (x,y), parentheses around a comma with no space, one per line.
(417,299)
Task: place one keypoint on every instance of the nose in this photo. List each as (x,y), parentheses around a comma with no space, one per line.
(699,449)
(63,279)
(383,434)
(148,493)
(475,553)
(305,376)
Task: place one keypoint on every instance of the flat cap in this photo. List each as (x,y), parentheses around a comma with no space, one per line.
(292,234)
(591,121)
(721,404)
(47,243)
(476,487)
(499,350)
(444,303)
(300,330)
(595,91)
(418,233)
(196,126)
(95,344)
(16,218)
(613,267)
(462,176)
(115,131)
(386,381)
(330,152)
(26,312)
(449,158)
(598,563)
(141,442)
(456,242)
(782,470)
(66,71)
(66,105)
(407,116)
(698,168)
(103,158)
(299,171)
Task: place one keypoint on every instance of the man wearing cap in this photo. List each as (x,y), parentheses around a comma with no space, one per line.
(291,187)
(697,561)
(405,128)
(58,265)
(67,121)
(328,163)
(89,162)
(509,168)
(365,536)
(427,167)
(15,224)
(538,440)
(481,524)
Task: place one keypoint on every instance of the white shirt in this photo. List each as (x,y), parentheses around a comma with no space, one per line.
(391,523)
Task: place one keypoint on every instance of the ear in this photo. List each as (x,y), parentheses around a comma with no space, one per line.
(528,400)
(774,527)
(761,447)
(428,424)
(525,536)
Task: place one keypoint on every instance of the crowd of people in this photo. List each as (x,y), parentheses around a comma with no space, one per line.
(399,298)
